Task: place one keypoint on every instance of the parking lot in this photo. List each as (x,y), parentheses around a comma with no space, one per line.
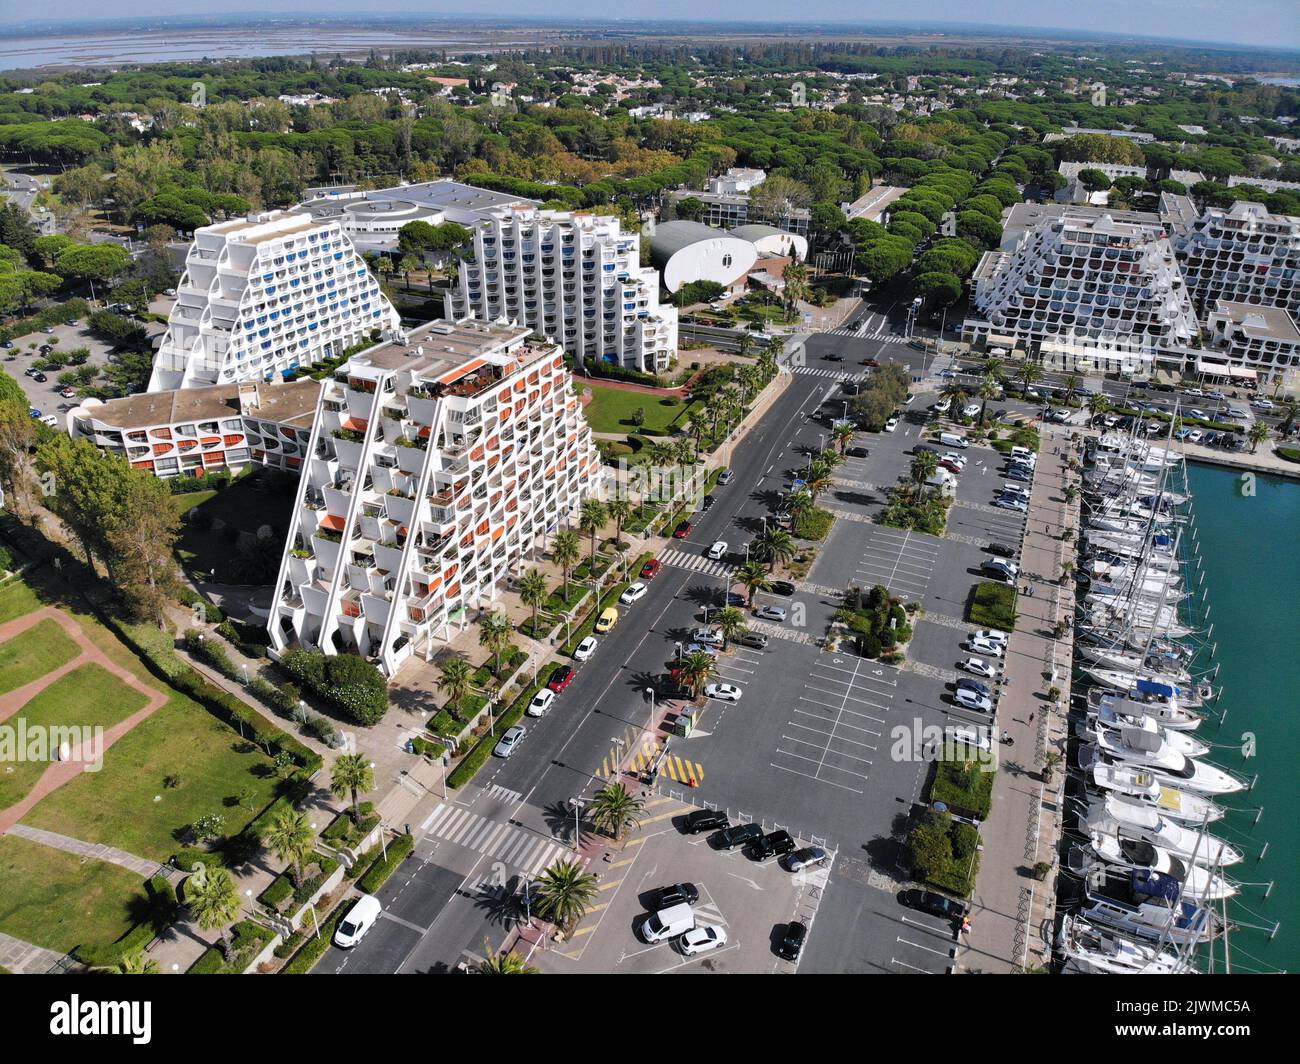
(753,902)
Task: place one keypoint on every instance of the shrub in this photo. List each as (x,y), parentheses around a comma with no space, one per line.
(398,851)
(305,959)
(815,524)
(345,682)
(993,605)
(1289,454)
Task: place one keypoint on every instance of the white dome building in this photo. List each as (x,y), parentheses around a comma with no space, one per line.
(689,251)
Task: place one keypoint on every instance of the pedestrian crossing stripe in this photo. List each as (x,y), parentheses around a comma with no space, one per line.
(817,371)
(507,845)
(695,563)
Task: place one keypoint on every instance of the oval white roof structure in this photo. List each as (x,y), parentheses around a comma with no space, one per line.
(689,251)
(769,240)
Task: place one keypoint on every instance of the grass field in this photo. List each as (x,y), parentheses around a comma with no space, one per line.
(60,901)
(611,409)
(67,703)
(17,599)
(241,507)
(128,805)
(30,655)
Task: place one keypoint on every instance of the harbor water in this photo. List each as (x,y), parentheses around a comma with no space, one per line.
(1248,534)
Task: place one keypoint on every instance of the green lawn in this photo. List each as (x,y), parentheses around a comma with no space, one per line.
(29,656)
(61,901)
(128,805)
(68,702)
(182,504)
(17,600)
(611,409)
(240,507)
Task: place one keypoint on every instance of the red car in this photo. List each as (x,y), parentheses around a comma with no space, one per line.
(952,467)
(870,362)
(682,531)
(651,569)
(561,678)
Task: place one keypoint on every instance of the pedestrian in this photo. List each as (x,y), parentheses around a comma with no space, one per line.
(1031,718)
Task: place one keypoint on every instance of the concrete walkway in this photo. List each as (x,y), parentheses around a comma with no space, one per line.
(96,851)
(1012,912)
(22,958)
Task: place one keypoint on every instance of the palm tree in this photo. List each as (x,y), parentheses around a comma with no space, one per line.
(1097,405)
(1288,420)
(843,434)
(731,622)
(408,263)
(564,893)
(993,368)
(1257,434)
(697,668)
(1030,372)
(213,901)
(1071,383)
(956,396)
(497,963)
(350,776)
(774,545)
(533,593)
(695,426)
(923,467)
(384,267)
(684,451)
(989,389)
(291,839)
(752,576)
(494,633)
(137,964)
(614,809)
(565,550)
(591,519)
(775,348)
(799,504)
(746,347)
(1050,760)
(455,680)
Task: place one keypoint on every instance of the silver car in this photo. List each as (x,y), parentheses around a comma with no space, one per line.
(770,613)
(509,741)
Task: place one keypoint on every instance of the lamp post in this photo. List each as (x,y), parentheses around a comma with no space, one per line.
(578,805)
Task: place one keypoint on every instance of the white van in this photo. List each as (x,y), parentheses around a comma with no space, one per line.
(668,923)
(1024,454)
(978,738)
(951,439)
(359,919)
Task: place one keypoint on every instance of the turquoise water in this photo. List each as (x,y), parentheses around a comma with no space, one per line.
(1250,550)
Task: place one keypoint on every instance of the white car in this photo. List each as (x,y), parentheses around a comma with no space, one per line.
(707,636)
(1263,404)
(359,919)
(891,424)
(633,593)
(542,701)
(586,648)
(703,648)
(992,635)
(718,550)
(701,939)
(972,700)
(986,646)
(509,742)
(971,410)
(979,667)
(1015,490)
(1195,436)
(941,407)
(953,457)
(723,692)
(1006,502)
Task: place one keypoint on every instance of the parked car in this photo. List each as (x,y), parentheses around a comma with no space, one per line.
(1011,502)
(927,901)
(651,569)
(965,683)
(358,920)
(634,593)
(723,692)
(978,666)
(509,741)
(891,424)
(561,678)
(586,648)
(791,944)
(731,598)
(542,701)
(970,410)
(773,844)
(677,894)
(702,820)
(726,477)
(770,613)
(701,939)
(49,419)
(808,857)
(718,550)
(68,393)
(39,377)
(606,621)
(738,835)
(942,406)
(707,636)
(856,452)
(706,503)
(667,923)
(964,696)
(757,640)
(682,531)
(1002,550)
(781,587)
(992,635)
(703,648)
(990,647)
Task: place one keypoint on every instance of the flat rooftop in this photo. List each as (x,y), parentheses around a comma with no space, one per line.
(1271,322)
(460,202)
(1026,216)
(293,402)
(437,347)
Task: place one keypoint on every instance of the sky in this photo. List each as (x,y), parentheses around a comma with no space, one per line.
(1273,23)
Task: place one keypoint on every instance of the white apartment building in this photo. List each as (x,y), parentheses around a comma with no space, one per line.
(1242,255)
(737,180)
(435,462)
(573,277)
(1086,277)
(1263,339)
(263,295)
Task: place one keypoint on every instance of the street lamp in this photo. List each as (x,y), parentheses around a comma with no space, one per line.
(578,805)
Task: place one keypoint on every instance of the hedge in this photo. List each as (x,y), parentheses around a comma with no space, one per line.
(211,611)
(967,791)
(482,750)
(993,604)
(1289,454)
(342,831)
(814,524)
(305,959)
(246,941)
(346,682)
(385,865)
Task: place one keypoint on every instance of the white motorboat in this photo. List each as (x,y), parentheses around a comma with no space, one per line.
(1168,766)
(1199,884)
(1108,718)
(1143,820)
(1142,785)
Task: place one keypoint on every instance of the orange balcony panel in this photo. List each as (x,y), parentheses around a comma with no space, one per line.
(510,521)
(476,455)
(482,529)
(356,424)
(450,571)
(333,522)
(143,465)
(498,532)
(211,441)
(288,433)
(162,448)
(351,609)
(294,463)
(558,364)
(234,439)
(453,591)
(161,434)
(188,445)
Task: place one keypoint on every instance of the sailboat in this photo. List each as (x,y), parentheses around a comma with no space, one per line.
(1095,950)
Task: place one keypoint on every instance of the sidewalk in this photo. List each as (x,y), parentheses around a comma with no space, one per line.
(1012,912)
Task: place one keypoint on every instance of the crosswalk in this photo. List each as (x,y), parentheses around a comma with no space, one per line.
(503,794)
(512,848)
(833,374)
(696,563)
(867,329)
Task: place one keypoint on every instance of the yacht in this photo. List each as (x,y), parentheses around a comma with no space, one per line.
(1145,821)
(1168,766)
(1139,902)
(1122,849)
(1094,950)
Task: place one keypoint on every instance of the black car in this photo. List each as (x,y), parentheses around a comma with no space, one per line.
(834,356)
(773,844)
(732,599)
(851,387)
(704,820)
(791,944)
(1002,550)
(677,894)
(856,452)
(781,587)
(731,837)
(935,904)
(40,378)
(707,503)
(974,685)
